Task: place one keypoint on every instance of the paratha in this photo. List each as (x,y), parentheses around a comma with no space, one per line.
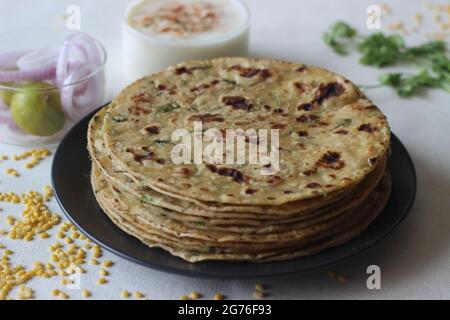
(331,136)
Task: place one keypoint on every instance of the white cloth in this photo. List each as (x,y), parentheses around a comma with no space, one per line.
(414,260)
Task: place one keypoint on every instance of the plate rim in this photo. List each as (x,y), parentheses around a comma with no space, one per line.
(198,274)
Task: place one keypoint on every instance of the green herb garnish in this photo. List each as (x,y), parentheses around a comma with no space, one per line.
(344,123)
(380,50)
(338,35)
(169,107)
(161,141)
(146,198)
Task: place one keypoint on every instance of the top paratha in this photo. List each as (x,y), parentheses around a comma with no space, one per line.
(331,136)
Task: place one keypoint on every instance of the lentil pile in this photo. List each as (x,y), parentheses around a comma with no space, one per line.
(68,254)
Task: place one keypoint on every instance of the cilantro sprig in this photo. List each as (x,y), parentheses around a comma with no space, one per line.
(380,50)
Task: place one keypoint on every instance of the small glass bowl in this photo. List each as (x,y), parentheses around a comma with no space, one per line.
(28,130)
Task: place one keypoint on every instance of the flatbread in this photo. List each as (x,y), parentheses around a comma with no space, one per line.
(331,136)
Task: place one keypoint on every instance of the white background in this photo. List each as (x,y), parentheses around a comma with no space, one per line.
(415,259)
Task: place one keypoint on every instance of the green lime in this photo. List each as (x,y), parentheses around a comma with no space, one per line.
(38,113)
(5,94)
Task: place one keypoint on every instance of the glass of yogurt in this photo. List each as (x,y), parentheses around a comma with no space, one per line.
(159,33)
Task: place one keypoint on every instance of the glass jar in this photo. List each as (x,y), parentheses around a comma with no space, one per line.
(57,78)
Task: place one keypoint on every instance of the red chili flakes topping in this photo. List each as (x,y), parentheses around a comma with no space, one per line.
(305,107)
(332,160)
(327,91)
(207,117)
(373,160)
(302,133)
(237,102)
(251,191)
(307,118)
(251,72)
(267,107)
(152,129)
(341,131)
(313,185)
(366,127)
(162,87)
(273,180)
(287,191)
(301,69)
(227,172)
(161,161)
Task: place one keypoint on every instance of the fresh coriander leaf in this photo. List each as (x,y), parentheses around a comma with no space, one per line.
(338,34)
(390,79)
(427,49)
(408,86)
(342,29)
(380,50)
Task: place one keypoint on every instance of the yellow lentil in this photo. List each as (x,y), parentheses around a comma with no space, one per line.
(86,293)
(103,272)
(125,294)
(218,296)
(107,263)
(195,295)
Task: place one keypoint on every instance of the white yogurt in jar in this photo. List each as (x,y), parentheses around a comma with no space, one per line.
(159,33)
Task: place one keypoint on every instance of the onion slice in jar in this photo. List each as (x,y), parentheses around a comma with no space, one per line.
(8,60)
(78,99)
(78,48)
(38,58)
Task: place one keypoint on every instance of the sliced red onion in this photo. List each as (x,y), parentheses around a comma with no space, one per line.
(30,75)
(78,48)
(9,59)
(78,100)
(39,58)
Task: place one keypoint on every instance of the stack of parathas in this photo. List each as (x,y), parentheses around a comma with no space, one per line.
(331,184)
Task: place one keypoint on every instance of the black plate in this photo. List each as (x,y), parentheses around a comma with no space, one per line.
(70,178)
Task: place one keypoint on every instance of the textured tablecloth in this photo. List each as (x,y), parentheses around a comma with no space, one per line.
(414,260)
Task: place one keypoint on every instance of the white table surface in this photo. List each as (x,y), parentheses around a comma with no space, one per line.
(414,260)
